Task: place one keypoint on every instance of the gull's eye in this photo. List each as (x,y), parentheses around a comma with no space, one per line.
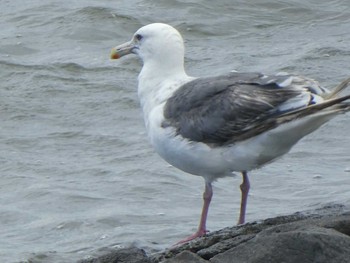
(138,37)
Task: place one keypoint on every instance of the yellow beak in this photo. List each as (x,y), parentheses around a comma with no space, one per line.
(122,50)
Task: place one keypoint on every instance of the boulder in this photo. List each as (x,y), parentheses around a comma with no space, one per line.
(123,255)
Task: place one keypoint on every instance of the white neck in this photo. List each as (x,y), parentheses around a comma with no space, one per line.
(157,83)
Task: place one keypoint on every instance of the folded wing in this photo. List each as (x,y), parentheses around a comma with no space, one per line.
(234,107)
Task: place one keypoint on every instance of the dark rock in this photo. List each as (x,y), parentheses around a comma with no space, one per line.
(186,257)
(223,246)
(123,255)
(306,244)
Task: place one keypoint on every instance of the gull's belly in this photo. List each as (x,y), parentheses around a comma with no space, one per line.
(191,157)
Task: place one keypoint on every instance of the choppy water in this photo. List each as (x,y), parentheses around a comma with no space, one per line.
(77,172)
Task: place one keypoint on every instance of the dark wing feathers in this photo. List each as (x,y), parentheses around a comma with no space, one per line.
(222,109)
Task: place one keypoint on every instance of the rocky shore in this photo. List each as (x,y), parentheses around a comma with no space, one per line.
(321,235)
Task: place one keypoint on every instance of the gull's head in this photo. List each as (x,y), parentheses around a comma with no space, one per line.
(157,43)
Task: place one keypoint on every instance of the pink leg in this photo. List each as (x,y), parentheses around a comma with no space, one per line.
(244,189)
(207,195)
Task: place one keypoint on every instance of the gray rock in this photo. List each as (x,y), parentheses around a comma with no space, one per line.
(123,255)
(306,244)
(186,257)
(223,246)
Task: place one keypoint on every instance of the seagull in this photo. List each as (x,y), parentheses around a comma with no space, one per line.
(215,126)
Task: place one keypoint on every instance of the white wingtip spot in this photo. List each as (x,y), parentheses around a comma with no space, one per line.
(286,82)
(282,73)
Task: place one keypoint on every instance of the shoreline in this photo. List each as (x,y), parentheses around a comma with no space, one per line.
(320,235)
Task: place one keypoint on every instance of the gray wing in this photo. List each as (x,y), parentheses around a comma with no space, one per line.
(227,108)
